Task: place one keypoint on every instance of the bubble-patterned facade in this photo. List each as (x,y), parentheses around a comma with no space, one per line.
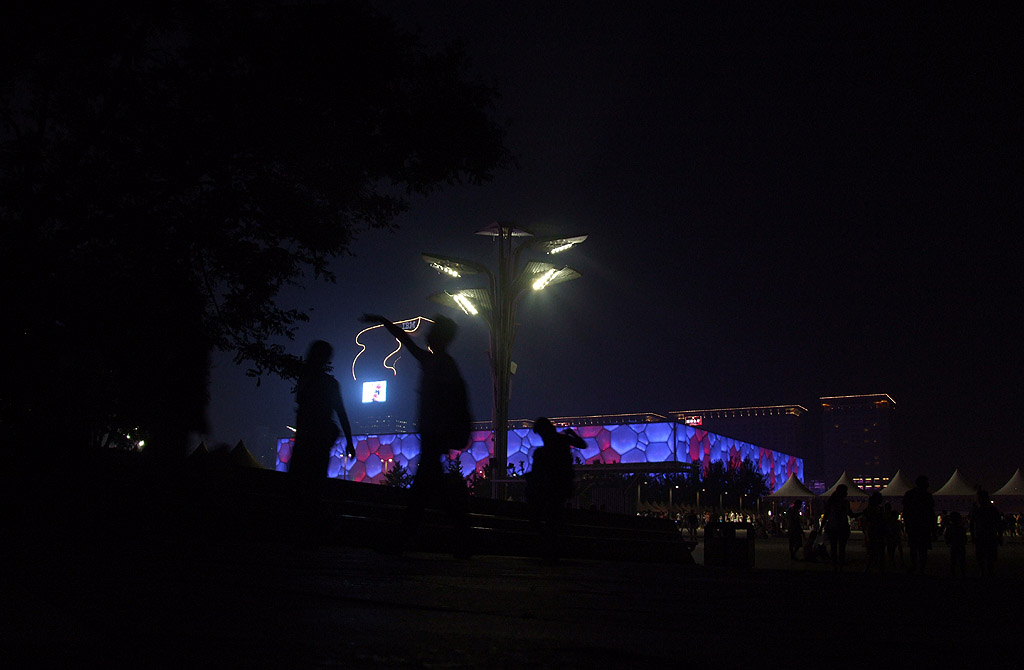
(648,442)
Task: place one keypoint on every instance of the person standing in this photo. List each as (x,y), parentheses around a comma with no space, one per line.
(549,484)
(318,400)
(986,533)
(956,539)
(692,522)
(874,524)
(794,528)
(444,425)
(893,535)
(919,523)
(837,525)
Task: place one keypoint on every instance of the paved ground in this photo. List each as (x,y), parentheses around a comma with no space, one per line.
(155,601)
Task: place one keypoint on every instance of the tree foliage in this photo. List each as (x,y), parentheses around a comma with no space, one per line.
(167,168)
(398,476)
(721,481)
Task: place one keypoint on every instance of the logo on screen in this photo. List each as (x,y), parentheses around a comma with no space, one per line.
(375,391)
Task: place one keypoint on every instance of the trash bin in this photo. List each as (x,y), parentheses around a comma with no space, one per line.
(729,544)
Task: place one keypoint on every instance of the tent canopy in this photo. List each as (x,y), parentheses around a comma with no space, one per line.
(852,490)
(242,457)
(897,486)
(956,486)
(792,489)
(1014,487)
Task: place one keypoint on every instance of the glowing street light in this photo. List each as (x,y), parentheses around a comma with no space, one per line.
(497,303)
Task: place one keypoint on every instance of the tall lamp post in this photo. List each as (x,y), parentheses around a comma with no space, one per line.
(497,303)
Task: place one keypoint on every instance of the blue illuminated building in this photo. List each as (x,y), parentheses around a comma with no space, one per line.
(645,438)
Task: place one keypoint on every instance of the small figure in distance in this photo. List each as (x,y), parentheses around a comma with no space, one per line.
(811,542)
(919,521)
(986,533)
(794,528)
(318,399)
(956,540)
(549,484)
(692,523)
(444,424)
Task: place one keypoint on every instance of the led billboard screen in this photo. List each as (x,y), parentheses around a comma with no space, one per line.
(375,391)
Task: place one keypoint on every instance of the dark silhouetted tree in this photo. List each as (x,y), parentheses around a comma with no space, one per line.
(749,481)
(166,168)
(732,480)
(398,476)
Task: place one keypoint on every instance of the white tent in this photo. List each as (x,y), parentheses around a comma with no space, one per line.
(897,486)
(792,489)
(956,486)
(1014,487)
(852,491)
(1010,498)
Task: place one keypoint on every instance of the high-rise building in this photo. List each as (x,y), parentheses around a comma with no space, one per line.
(857,433)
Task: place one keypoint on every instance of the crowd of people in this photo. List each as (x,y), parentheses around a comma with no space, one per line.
(896,537)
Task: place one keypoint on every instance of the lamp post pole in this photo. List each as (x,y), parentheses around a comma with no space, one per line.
(502,330)
(497,304)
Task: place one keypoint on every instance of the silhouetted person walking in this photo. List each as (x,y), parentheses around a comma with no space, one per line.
(444,424)
(794,529)
(986,533)
(318,399)
(837,525)
(919,522)
(549,484)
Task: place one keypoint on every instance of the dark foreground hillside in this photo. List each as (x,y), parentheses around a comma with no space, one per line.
(184,572)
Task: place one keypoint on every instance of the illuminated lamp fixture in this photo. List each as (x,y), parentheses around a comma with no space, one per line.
(558,245)
(444,269)
(452,267)
(464,303)
(544,279)
(472,301)
(542,275)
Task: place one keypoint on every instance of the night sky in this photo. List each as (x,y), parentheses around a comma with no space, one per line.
(781,203)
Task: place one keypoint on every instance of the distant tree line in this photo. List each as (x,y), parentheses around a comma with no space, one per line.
(729,484)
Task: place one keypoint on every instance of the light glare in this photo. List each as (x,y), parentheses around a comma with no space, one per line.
(463,302)
(444,269)
(544,279)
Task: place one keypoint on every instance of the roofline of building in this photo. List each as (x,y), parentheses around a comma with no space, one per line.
(864,395)
(735,409)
